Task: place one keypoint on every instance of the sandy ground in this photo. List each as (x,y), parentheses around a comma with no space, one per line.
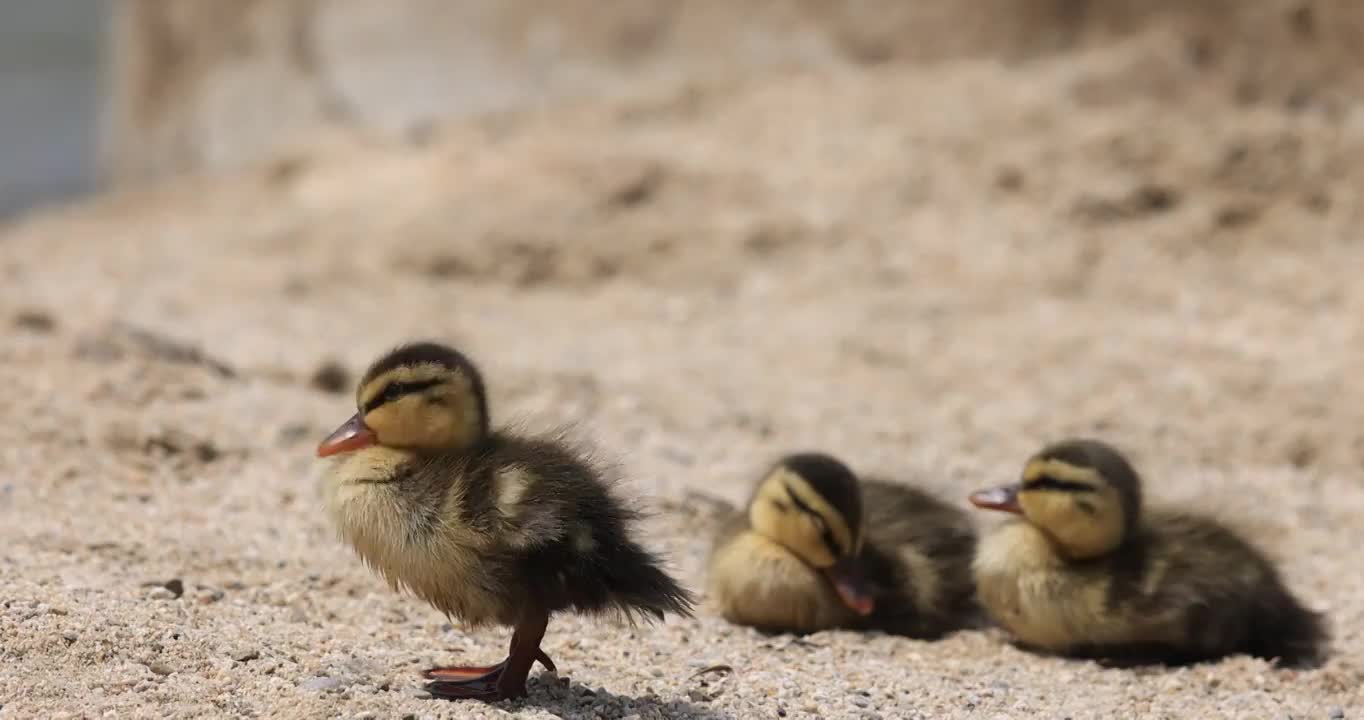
(927,272)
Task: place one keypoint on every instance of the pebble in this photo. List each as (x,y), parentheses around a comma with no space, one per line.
(366,715)
(160,668)
(330,377)
(161,593)
(418,693)
(325,684)
(245,654)
(1337,713)
(176,587)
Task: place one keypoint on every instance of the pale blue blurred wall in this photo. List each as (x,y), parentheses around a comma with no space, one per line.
(50,52)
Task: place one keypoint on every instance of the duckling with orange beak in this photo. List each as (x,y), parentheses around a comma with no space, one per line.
(1085,570)
(487,527)
(818,549)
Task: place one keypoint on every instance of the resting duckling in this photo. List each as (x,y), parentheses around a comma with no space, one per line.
(484,526)
(816,550)
(1085,572)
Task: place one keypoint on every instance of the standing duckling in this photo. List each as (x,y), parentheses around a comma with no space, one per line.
(1085,572)
(817,549)
(485,526)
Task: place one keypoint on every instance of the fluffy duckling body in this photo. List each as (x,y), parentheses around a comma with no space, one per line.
(817,549)
(1085,572)
(487,527)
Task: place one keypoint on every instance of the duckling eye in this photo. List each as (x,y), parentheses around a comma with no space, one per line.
(825,535)
(397,389)
(1047,482)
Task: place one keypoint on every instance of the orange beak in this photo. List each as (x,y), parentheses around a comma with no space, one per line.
(1003,498)
(351,436)
(851,586)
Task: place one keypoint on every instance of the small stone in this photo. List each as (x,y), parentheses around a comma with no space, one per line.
(176,587)
(861,701)
(366,715)
(161,593)
(330,377)
(417,693)
(160,668)
(245,655)
(69,636)
(325,684)
(1009,179)
(35,321)
(1337,713)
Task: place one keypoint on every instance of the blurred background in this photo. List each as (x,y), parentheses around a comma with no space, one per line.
(50,99)
(94,92)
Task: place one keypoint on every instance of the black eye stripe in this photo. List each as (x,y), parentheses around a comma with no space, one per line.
(1047,482)
(397,389)
(825,534)
(801,506)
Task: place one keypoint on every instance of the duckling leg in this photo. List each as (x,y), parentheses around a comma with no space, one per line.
(502,681)
(459,673)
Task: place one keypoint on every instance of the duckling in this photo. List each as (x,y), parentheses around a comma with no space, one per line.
(817,549)
(1084,571)
(487,527)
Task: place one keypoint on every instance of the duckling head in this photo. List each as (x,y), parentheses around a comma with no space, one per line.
(421,396)
(1082,494)
(811,504)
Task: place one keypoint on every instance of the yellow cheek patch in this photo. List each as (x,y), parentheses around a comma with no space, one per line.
(1060,470)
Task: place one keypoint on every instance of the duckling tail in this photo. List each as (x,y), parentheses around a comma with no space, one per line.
(1288,632)
(641,587)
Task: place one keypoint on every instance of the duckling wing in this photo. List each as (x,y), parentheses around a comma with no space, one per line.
(919,549)
(1208,592)
(569,539)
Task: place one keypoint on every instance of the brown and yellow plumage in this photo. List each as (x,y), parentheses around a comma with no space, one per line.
(487,527)
(816,549)
(1086,572)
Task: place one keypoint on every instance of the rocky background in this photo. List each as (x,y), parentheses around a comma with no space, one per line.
(925,237)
